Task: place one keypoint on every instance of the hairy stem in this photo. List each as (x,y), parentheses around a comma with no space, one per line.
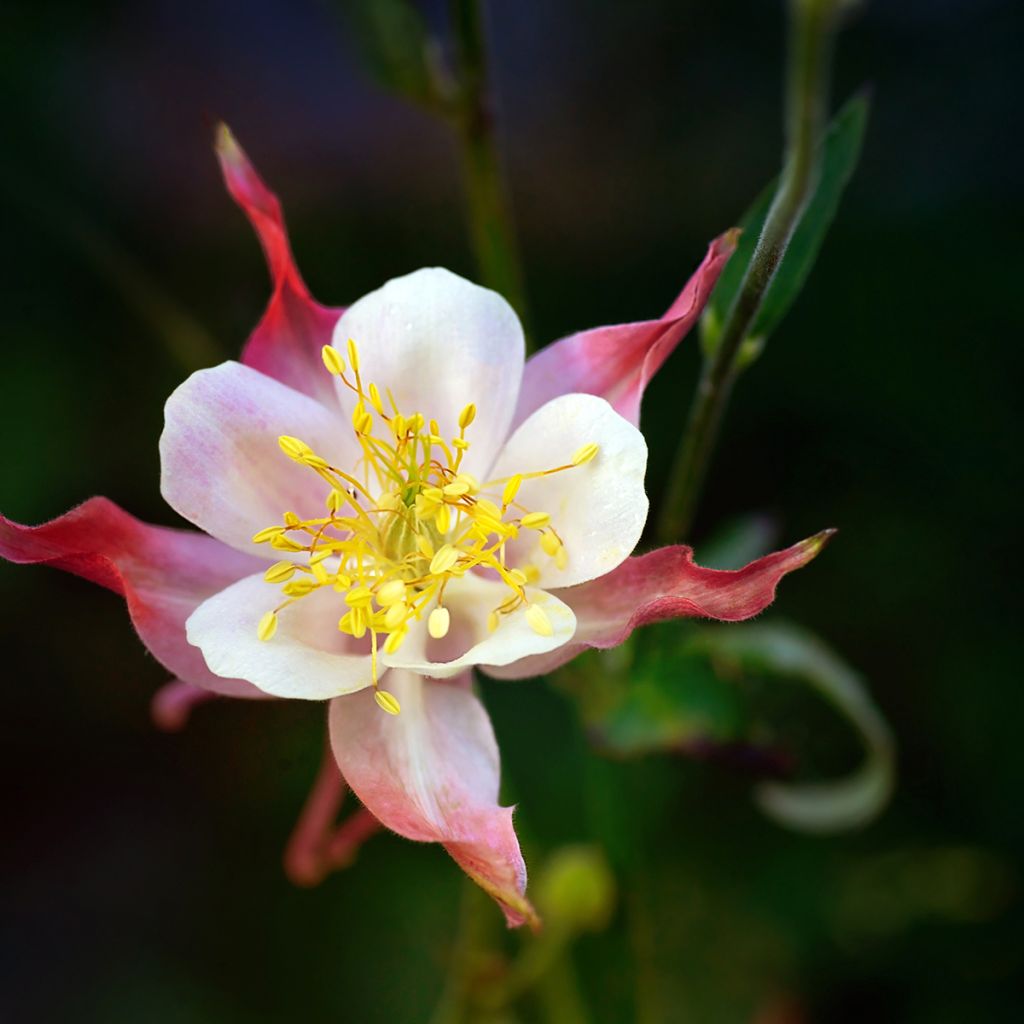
(811,31)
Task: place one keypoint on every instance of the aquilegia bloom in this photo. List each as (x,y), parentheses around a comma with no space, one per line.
(389,496)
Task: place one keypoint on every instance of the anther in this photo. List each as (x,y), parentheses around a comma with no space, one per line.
(267,626)
(538,620)
(585,454)
(332,360)
(268,533)
(535,520)
(387,702)
(279,572)
(396,615)
(549,543)
(390,593)
(438,623)
(443,560)
(293,447)
(394,641)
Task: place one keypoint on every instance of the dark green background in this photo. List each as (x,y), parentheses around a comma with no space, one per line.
(142,872)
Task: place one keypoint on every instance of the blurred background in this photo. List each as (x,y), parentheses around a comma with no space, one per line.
(142,870)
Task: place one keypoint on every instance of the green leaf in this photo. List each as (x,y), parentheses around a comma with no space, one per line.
(395,42)
(786,651)
(842,146)
(655,695)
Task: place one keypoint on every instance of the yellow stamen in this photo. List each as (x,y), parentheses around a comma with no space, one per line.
(293,447)
(268,533)
(391,593)
(511,489)
(438,623)
(549,543)
(402,523)
(280,572)
(535,520)
(267,626)
(396,615)
(585,454)
(443,560)
(332,360)
(538,620)
(394,641)
(387,702)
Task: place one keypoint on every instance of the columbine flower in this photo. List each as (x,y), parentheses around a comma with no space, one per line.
(389,497)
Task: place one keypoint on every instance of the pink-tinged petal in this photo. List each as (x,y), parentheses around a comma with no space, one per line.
(171,706)
(431,773)
(665,584)
(163,574)
(221,465)
(439,343)
(287,342)
(307,658)
(617,362)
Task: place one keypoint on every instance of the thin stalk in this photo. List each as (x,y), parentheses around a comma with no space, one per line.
(811,32)
(490,215)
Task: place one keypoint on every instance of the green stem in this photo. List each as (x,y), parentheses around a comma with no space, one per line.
(490,216)
(474,936)
(559,994)
(811,31)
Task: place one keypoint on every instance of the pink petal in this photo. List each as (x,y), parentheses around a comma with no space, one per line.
(664,584)
(431,773)
(163,574)
(172,704)
(287,341)
(617,362)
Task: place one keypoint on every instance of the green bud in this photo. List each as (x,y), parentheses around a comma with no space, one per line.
(576,889)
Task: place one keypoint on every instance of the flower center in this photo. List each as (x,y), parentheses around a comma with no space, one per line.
(402,524)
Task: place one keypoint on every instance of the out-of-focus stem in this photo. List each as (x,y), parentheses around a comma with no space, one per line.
(811,31)
(490,216)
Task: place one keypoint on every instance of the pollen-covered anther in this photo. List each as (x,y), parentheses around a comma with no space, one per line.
(332,360)
(438,623)
(267,626)
(443,560)
(538,620)
(280,572)
(396,615)
(535,520)
(387,702)
(549,543)
(390,593)
(394,641)
(293,447)
(585,454)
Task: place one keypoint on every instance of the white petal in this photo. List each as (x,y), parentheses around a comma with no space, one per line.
(440,342)
(470,601)
(598,509)
(306,656)
(221,466)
